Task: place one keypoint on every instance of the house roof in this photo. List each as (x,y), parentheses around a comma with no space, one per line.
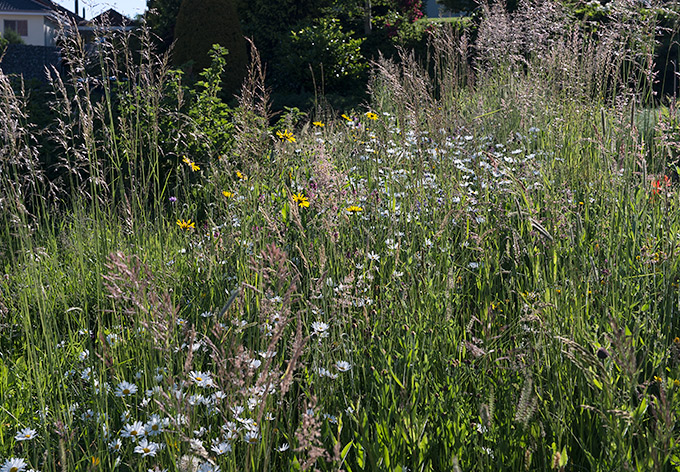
(23,5)
(110,18)
(36,6)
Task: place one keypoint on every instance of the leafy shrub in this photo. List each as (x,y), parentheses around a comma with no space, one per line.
(12,37)
(268,23)
(334,56)
(210,116)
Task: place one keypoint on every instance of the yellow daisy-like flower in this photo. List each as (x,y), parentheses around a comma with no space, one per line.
(301,200)
(241,176)
(319,124)
(191,164)
(354,209)
(188,224)
(227,194)
(346,117)
(286,136)
(371,116)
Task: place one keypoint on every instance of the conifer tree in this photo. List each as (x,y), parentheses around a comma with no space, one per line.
(202,23)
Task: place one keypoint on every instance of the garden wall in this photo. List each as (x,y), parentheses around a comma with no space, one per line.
(29,61)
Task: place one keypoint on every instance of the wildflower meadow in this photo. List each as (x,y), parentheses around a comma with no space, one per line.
(475,269)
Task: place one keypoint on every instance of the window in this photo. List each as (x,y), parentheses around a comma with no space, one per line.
(20,26)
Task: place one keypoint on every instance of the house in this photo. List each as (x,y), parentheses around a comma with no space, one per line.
(34,20)
(37,22)
(109,21)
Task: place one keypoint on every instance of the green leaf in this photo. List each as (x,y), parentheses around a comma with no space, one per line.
(284,212)
(396,379)
(360,456)
(345,450)
(563,457)
(597,383)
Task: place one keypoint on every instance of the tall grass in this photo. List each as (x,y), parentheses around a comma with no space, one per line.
(478,271)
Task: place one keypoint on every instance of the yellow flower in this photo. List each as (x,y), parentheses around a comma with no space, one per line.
(676,383)
(319,124)
(227,194)
(186,224)
(354,209)
(191,163)
(301,200)
(346,117)
(241,176)
(371,116)
(286,136)
(658,379)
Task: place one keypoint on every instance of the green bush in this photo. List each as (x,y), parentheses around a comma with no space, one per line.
(202,23)
(12,37)
(325,49)
(268,23)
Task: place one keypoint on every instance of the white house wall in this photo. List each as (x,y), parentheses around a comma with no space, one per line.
(51,29)
(36,28)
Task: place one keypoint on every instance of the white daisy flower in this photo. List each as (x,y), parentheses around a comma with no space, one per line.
(155,425)
(134,430)
(283,447)
(221,448)
(372,256)
(25,434)
(13,465)
(146,448)
(125,389)
(343,366)
(320,328)
(86,374)
(202,379)
(116,445)
(252,437)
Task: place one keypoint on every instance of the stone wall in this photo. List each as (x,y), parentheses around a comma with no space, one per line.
(29,61)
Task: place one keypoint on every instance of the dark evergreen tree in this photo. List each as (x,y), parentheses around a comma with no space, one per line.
(202,23)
